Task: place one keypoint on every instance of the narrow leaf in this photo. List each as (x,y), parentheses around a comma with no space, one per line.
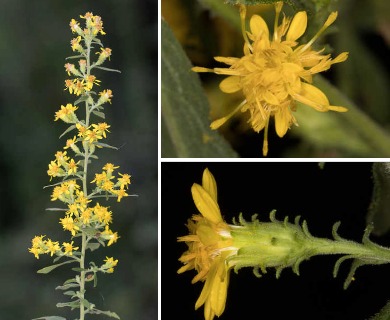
(83,98)
(107,313)
(52,267)
(104,145)
(50,318)
(99,114)
(68,130)
(379,209)
(185,109)
(74,57)
(67,286)
(55,209)
(107,69)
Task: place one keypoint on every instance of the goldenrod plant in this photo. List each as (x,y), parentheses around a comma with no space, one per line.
(215,247)
(84,216)
(281,61)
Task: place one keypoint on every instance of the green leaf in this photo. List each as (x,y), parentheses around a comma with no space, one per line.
(229,13)
(67,286)
(107,313)
(104,145)
(55,209)
(185,108)
(81,99)
(93,246)
(107,69)
(353,133)
(68,130)
(52,267)
(99,114)
(379,209)
(72,304)
(384,313)
(50,318)
(74,57)
(97,41)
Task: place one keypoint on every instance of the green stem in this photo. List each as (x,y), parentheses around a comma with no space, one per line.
(369,252)
(85,190)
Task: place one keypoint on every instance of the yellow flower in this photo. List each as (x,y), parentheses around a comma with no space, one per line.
(69,224)
(109,265)
(52,247)
(105,96)
(68,247)
(37,246)
(55,170)
(209,246)
(66,114)
(274,74)
(120,194)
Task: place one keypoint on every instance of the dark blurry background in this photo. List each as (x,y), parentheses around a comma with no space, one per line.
(34,41)
(338,192)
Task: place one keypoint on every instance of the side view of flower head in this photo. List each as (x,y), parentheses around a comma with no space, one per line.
(216,247)
(275,72)
(209,245)
(87,221)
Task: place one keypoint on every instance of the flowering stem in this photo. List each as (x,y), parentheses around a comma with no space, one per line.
(85,189)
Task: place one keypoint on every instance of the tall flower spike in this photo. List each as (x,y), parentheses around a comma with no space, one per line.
(275,72)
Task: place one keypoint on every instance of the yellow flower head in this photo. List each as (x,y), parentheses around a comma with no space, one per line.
(209,246)
(275,72)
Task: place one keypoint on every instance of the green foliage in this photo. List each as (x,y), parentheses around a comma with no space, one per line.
(378,212)
(50,318)
(185,107)
(54,266)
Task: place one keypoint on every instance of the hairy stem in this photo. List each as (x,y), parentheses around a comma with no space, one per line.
(85,191)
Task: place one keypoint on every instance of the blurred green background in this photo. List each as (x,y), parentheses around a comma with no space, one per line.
(34,41)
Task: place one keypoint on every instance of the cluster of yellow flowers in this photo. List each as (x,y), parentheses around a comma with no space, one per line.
(81,218)
(275,72)
(40,246)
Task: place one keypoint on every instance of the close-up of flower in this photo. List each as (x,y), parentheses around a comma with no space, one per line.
(276,72)
(209,246)
(285,257)
(281,79)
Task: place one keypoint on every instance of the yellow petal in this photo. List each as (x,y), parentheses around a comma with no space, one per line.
(270,98)
(259,28)
(338,109)
(218,291)
(205,294)
(283,120)
(230,84)
(209,184)
(206,204)
(313,97)
(297,27)
(227,60)
(341,57)
(332,17)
